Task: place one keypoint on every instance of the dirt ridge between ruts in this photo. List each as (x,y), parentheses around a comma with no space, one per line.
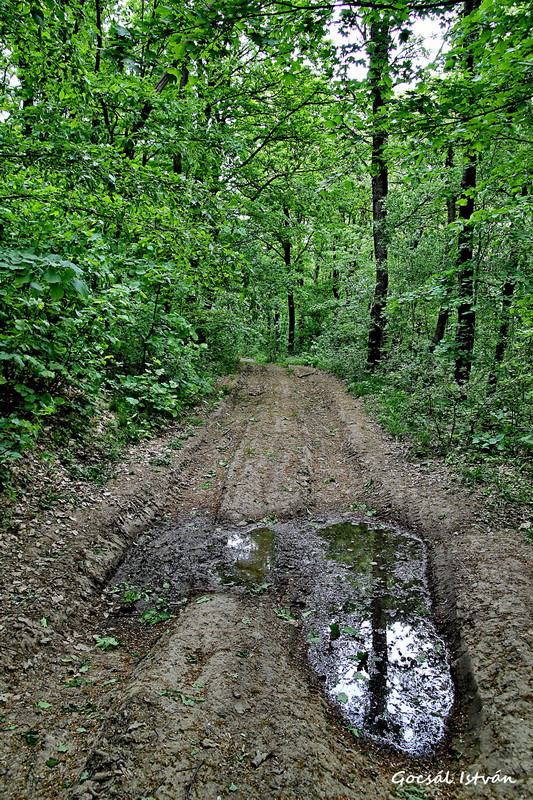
(235,713)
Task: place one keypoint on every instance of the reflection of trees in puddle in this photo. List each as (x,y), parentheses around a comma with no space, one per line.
(377,684)
(391,666)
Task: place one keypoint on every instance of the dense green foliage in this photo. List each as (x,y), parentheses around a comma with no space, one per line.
(186,183)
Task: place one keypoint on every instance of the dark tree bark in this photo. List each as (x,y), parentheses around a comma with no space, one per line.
(466,315)
(99,38)
(444,311)
(508,291)
(146,110)
(292,323)
(503,333)
(177,161)
(287,258)
(335,284)
(290,299)
(378,52)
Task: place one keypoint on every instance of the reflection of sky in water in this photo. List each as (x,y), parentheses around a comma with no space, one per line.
(376,576)
(251,554)
(242,543)
(419,691)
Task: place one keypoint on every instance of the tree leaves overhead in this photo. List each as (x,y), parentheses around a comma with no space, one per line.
(182,182)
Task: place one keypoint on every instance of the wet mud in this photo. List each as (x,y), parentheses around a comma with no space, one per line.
(359,593)
(257,620)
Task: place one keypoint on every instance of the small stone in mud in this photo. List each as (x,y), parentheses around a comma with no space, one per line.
(259,758)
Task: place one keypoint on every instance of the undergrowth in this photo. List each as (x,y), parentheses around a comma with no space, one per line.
(484,436)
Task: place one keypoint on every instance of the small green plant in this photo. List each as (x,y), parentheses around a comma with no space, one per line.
(132,594)
(282,613)
(179,696)
(107,643)
(412,793)
(31,737)
(154,616)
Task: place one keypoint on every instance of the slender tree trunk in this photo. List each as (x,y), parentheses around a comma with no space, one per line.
(99,39)
(140,122)
(335,283)
(290,299)
(378,52)
(503,333)
(287,258)
(466,315)
(444,311)
(177,161)
(292,323)
(505,315)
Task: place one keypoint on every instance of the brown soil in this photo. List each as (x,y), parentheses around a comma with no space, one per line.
(286,443)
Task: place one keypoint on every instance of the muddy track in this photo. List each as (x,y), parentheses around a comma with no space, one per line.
(286,444)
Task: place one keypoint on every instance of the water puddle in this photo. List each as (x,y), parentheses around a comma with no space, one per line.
(374,641)
(363,601)
(250,557)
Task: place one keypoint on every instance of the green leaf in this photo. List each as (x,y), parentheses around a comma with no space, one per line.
(43,704)
(56,293)
(334,630)
(81,288)
(31,737)
(107,643)
(37,15)
(342,697)
(52,276)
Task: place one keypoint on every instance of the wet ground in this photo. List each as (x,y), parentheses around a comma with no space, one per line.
(268,607)
(357,590)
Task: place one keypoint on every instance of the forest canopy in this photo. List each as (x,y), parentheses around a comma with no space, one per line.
(186,183)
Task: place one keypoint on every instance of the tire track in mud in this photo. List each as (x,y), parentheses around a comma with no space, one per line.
(285,443)
(271,469)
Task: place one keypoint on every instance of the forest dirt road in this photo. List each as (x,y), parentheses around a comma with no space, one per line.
(220,700)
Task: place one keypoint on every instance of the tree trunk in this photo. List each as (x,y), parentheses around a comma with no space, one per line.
(177,160)
(290,299)
(378,52)
(292,323)
(335,283)
(466,315)
(287,258)
(503,333)
(505,315)
(444,311)
(99,38)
